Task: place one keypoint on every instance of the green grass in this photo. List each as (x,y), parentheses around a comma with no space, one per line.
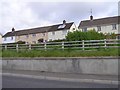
(60,53)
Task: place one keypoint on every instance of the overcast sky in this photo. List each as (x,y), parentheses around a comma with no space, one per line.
(22,14)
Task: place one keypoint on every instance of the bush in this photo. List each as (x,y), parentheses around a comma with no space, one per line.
(89,35)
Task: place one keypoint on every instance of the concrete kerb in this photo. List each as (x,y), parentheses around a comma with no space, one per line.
(63,79)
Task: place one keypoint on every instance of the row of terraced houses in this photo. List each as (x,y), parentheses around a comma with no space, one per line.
(59,31)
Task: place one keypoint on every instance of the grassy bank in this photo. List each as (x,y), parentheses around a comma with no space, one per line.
(60,53)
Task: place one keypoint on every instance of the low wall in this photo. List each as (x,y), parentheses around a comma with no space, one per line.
(101,66)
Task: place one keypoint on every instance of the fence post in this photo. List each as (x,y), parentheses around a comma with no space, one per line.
(5,47)
(63,45)
(105,42)
(29,46)
(17,47)
(83,45)
(45,46)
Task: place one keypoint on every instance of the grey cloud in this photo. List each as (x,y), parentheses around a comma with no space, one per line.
(72,11)
(55,12)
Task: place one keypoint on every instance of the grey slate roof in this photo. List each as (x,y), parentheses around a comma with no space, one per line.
(99,22)
(38,30)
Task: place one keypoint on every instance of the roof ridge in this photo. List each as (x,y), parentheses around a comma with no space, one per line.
(39,29)
(100,21)
(42,26)
(102,18)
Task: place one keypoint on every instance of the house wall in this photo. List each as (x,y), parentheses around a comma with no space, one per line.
(0,39)
(57,35)
(8,39)
(73,28)
(61,33)
(104,29)
(32,39)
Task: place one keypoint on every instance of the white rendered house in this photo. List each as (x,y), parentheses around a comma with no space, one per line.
(104,25)
(60,31)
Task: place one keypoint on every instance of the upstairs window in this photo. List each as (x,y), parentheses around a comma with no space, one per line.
(98,28)
(5,39)
(84,30)
(53,33)
(33,35)
(27,36)
(114,27)
(43,34)
(64,32)
(11,38)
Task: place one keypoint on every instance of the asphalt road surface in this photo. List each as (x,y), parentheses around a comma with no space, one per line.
(22,82)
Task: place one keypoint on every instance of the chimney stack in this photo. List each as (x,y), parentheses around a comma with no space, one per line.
(64,22)
(91,17)
(13,29)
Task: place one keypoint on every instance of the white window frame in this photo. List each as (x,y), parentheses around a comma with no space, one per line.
(53,33)
(84,29)
(114,26)
(27,36)
(64,32)
(98,28)
(5,39)
(34,35)
(12,38)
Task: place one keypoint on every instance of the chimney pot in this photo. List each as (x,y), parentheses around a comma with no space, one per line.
(13,29)
(91,17)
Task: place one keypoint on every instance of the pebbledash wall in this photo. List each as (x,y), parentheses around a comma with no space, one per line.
(99,66)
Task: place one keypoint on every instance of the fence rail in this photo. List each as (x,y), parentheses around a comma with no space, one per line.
(82,45)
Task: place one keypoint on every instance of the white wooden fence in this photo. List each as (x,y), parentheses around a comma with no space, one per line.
(82,45)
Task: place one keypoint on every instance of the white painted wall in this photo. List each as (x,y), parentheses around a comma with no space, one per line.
(8,40)
(73,28)
(0,39)
(58,35)
(104,29)
(61,33)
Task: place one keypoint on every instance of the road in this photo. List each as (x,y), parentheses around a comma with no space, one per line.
(22,82)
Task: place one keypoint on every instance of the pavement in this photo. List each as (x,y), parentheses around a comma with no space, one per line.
(103,79)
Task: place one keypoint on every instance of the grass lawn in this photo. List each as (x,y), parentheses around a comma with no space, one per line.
(59,53)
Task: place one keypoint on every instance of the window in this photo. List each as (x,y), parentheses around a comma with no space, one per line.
(61,26)
(98,28)
(27,36)
(118,37)
(5,39)
(43,34)
(53,33)
(114,27)
(64,32)
(11,38)
(33,35)
(84,29)
(73,28)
